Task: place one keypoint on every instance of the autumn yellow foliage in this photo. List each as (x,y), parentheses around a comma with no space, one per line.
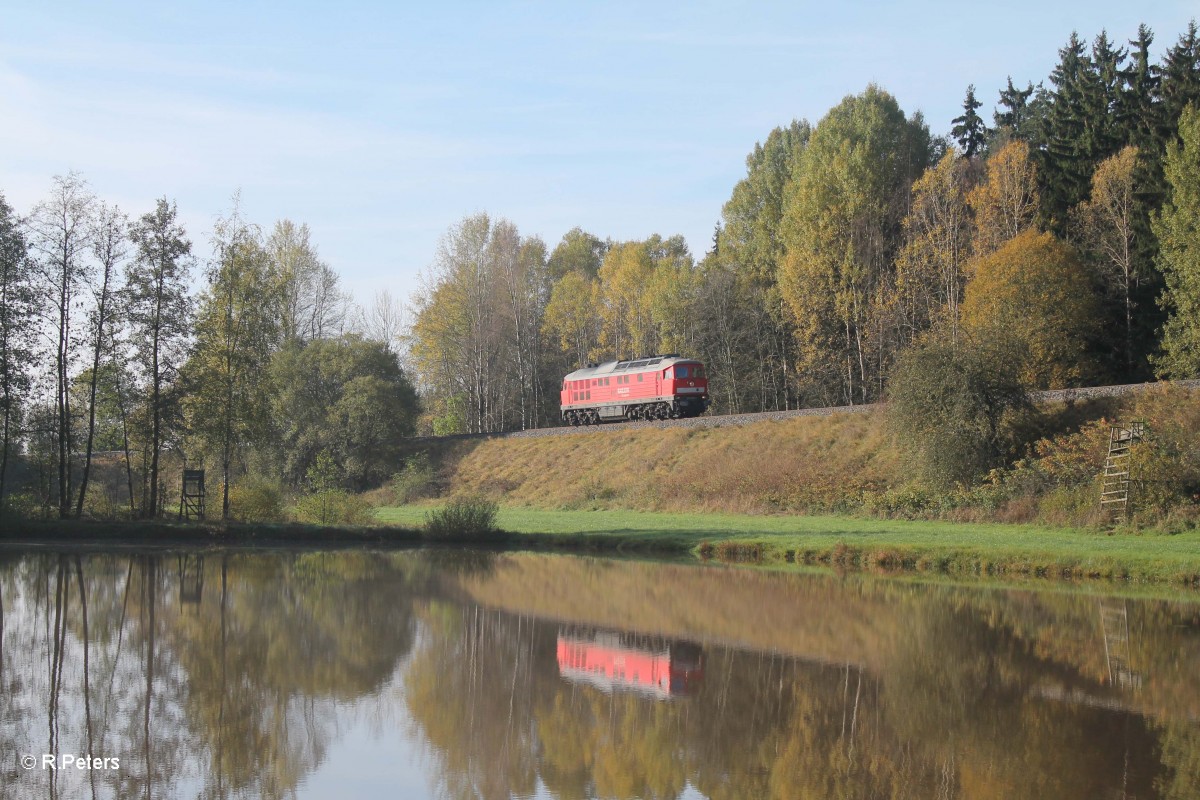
(1036,290)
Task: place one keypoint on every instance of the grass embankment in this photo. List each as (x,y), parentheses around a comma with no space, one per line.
(836,490)
(879,544)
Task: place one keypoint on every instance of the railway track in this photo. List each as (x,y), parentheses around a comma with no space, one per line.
(715,420)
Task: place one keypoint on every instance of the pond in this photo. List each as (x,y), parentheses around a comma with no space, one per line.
(431,673)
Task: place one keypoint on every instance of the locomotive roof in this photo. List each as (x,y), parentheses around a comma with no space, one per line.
(649,364)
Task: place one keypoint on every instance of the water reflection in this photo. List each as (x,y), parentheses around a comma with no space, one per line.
(222,674)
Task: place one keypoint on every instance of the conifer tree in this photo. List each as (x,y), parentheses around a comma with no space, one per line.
(1139,115)
(1016,117)
(1064,163)
(1180,77)
(969,129)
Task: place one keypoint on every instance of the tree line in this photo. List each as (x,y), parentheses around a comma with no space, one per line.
(1065,228)
(110,353)
(1060,242)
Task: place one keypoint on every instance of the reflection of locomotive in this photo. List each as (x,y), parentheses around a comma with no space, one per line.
(662,387)
(609,660)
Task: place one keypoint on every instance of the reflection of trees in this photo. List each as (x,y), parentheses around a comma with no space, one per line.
(966,707)
(1180,743)
(278,641)
(237,688)
(240,686)
(471,689)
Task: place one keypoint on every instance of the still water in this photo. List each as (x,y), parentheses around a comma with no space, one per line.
(433,674)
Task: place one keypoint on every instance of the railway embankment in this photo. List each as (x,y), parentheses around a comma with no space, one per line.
(846,464)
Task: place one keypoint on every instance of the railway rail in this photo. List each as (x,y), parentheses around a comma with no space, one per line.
(718,420)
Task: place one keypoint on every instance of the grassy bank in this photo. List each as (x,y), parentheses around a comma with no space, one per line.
(861,543)
(843,464)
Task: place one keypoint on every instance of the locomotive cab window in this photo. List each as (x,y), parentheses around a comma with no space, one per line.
(681,371)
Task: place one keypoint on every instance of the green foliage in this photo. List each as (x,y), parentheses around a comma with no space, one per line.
(842,229)
(453,417)
(325,502)
(954,409)
(1178,231)
(471,518)
(20,506)
(579,251)
(16,330)
(160,320)
(333,507)
(237,328)
(969,129)
(348,397)
(415,480)
(256,499)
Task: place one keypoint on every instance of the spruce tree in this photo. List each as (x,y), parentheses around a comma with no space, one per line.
(969,129)
(1015,118)
(1139,116)
(1180,78)
(1063,168)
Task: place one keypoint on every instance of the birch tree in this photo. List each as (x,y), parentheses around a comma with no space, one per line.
(237,328)
(1107,225)
(312,304)
(60,229)
(931,266)
(110,247)
(842,229)
(159,313)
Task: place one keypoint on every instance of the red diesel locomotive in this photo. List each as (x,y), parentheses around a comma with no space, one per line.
(660,387)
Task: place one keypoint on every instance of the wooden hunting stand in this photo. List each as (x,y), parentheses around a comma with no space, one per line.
(1114,496)
(191,499)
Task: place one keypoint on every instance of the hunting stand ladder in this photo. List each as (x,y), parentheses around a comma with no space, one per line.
(1114,496)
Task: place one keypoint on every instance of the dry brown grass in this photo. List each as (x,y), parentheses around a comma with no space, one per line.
(840,463)
(803,464)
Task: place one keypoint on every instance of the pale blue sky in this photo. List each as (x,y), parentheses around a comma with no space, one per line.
(382,124)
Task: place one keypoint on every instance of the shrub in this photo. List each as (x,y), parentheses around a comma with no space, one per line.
(464,518)
(414,481)
(333,507)
(956,409)
(256,499)
(20,506)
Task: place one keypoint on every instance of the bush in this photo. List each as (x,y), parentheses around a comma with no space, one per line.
(464,518)
(414,481)
(256,500)
(20,506)
(333,507)
(957,409)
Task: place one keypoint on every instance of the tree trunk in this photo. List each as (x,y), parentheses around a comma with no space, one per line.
(87,458)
